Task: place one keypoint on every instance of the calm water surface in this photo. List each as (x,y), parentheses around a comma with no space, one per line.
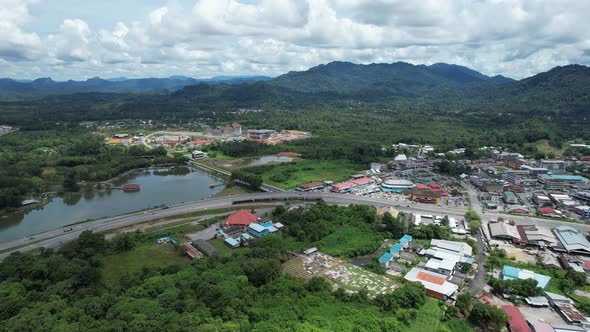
(269,159)
(156,189)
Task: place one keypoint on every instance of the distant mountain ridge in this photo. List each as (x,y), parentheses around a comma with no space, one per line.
(399,78)
(47,86)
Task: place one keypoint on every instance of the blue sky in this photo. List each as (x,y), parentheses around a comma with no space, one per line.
(67,39)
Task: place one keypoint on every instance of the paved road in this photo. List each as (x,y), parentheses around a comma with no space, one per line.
(55,237)
(479,281)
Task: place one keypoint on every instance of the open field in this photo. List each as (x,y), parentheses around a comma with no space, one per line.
(428,319)
(351,241)
(149,255)
(305,171)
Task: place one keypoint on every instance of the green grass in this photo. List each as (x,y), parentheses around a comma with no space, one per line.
(150,255)
(306,171)
(176,232)
(351,241)
(429,318)
(223,250)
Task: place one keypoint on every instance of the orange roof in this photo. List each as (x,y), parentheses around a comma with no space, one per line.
(430,278)
(241,218)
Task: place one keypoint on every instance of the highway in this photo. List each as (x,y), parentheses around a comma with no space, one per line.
(56,237)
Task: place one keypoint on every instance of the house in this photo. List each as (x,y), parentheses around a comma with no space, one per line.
(436,284)
(516,321)
(232,242)
(262,229)
(511,272)
(405,240)
(241,218)
(205,247)
(549,212)
(518,209)
(572,240)
(395,249)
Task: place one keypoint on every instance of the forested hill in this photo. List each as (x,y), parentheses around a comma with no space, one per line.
(398,78)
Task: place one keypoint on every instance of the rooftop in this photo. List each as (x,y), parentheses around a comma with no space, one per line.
(571,239)
(516,320)
(511,272)
(431,281)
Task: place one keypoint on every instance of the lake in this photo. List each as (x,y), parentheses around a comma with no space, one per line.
(157,187)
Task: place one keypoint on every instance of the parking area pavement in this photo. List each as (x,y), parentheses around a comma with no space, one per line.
(542,315)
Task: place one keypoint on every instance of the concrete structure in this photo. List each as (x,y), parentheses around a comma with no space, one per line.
(511,272)
(553,165)
(436,284)
(572,240)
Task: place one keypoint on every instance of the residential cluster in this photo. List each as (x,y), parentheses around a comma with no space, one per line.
(243,226)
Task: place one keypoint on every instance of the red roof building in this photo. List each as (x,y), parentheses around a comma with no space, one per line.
(516,322)
(362,181)
(549,212)
(242,218)
(342,186)
(311,186)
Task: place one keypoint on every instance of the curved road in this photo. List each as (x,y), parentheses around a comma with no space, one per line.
(56,237)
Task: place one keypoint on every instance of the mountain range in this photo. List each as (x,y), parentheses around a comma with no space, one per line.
(47,86)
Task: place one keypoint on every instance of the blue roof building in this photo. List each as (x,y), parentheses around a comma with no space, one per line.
(262,229)
(511,272)
(395,249)
(405,240)
(385,259)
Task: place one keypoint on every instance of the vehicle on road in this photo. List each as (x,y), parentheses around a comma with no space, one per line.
(68,229)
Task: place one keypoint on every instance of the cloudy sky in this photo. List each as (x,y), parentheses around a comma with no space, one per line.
(72,39)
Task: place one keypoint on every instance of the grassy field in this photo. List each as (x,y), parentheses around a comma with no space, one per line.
(223,250)
(428,319)
(306,171)
(145,255)
(351,241)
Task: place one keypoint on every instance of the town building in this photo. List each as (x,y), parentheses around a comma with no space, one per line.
(260,134)
(262,229)
(397,185)
(510,198)
(537,236)
(511,272)
(426,196)
(311,186)
(436,284)
(553,165)
(504,231)
(241,218)
(560,181)
(550,212)
(572,240)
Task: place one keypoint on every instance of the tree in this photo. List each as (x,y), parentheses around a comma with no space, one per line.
(71,181)
(261,271)
(463,302)
(488,317)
